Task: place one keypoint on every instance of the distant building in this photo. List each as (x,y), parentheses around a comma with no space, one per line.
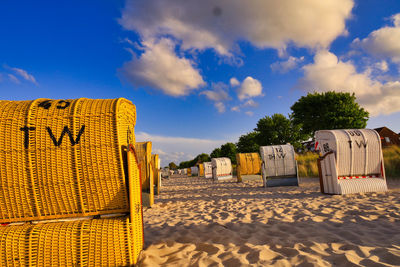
(388,137)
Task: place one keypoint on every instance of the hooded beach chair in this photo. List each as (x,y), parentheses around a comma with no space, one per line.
(221,168)
(279,167)
(351,161)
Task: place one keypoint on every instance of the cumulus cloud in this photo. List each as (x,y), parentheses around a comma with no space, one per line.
(250,103)
(382,66)
(249,113)
(160,68)
(219,24)
(328,73)
(250,87)
(287,65)
(235,108)
(218,92)
(220,107)
(384,42)
(234,82)
(177,149)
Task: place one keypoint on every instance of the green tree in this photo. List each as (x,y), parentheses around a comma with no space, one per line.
(216,153)
(327,111)
(203,157)
(248,143)
(172,166)
(185,164)
(229,150)
(278,130)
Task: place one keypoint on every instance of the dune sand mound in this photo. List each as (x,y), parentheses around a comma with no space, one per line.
(198,222)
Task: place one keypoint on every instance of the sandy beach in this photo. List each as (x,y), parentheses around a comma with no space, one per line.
(198,222)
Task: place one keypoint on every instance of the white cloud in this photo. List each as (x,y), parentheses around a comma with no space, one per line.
(384,42)
(218,92)
(382,66)
(234,82)
(24,74)
(220,24)
(285,66)
(250,103)
(13,78)
(160,68)
(235,108)
(220,107)
(250,87)
(178,149)
(328,73)
(249,113)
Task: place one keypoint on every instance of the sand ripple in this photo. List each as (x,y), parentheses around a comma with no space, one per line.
(198,222)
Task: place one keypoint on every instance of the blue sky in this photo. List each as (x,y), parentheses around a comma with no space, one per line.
(203,72)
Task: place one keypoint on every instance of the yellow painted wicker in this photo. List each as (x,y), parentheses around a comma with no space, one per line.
(63,158)
(143,150)
(189,172)
(201,169)
(248,164)
(97,242)
(156,173)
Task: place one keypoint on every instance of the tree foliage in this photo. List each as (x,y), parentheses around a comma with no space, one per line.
(216,153)
(327,111)
(203,157)
(172,166)
(229,150)
(278,130)
(248,143)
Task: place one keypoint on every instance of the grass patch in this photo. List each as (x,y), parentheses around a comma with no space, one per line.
(391,156)
(307,163)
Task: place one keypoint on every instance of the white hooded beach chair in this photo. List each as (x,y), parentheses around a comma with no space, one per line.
(279,167)
(221,168)
(351,161)
(207,169)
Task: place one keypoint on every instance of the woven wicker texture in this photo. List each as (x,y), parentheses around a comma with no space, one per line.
(135,203)
(63,158)
(143,152)
(97,242)
(155,162)
(248,164)
(189,172)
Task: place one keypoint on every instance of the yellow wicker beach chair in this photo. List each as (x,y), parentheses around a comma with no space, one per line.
(143,150)
(248,166)
(64,159)
(97,242)
(201,170)
(156,173)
